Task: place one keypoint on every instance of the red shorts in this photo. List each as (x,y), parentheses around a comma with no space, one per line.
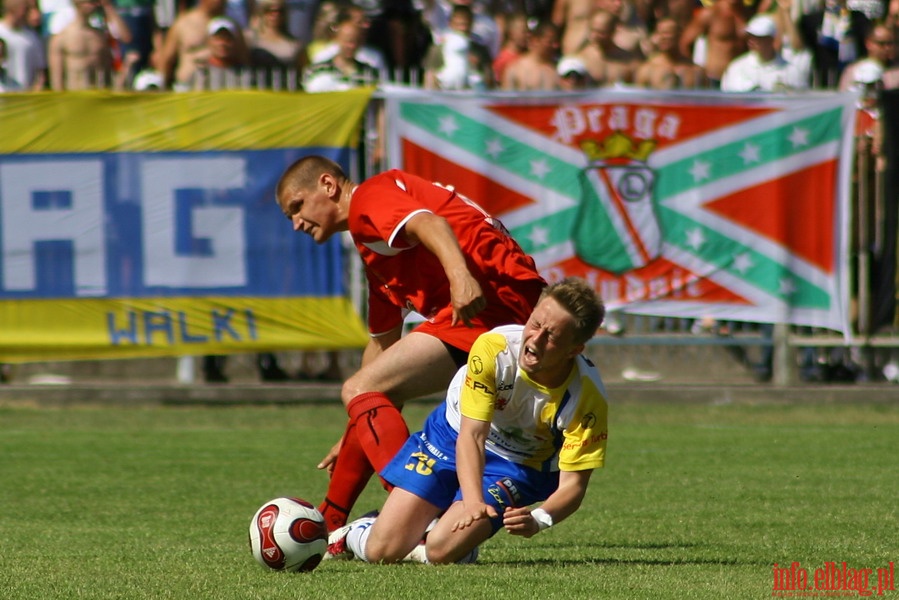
(508,307)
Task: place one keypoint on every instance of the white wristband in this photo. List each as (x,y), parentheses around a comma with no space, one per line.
(543,518)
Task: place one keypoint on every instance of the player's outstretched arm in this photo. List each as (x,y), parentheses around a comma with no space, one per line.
(560,505)
(435,234)
(470,470)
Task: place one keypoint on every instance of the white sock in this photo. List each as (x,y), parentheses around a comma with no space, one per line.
(357,537)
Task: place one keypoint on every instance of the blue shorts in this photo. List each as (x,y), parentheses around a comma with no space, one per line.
(426,467)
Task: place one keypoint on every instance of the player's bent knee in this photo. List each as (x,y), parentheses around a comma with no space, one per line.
(381,551)
(354,386)
(444,554)
(346,396)
(436,557)
(350,391)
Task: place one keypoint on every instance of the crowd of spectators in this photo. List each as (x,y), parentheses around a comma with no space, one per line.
(318,45)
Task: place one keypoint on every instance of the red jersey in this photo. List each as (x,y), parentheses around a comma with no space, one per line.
(404,277)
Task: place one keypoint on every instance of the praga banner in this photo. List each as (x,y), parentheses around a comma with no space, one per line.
(145,225)
(672,204)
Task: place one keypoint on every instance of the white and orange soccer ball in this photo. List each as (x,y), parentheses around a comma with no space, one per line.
(288,534)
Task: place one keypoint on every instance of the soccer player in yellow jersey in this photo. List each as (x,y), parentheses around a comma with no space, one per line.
(524,421)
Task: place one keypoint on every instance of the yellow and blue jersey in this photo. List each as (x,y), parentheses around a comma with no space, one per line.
(548,429)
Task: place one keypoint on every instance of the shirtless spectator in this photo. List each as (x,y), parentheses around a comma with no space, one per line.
(719,30)
(572,18)
(666,68)
(515,43)
(80,56)
(607,63)
(536,68)
(185,47)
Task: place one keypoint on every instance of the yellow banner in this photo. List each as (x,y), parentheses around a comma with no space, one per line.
(129,328)
(78,122)
(136,225)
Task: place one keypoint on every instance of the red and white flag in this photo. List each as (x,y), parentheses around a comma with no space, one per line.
(684,204)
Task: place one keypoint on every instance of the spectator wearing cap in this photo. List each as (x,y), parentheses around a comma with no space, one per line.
(667,68)
(226,60)
(764,68)
(185,47)
(148,80)
(573,74)
(222,60)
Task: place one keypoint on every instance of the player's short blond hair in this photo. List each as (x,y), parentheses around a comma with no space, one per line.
(580,299)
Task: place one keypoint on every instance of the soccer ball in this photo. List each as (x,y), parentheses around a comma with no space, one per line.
(288,534)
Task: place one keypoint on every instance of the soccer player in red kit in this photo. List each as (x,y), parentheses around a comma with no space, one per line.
(426,249)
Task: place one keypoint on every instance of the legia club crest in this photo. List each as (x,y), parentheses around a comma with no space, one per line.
(617,228)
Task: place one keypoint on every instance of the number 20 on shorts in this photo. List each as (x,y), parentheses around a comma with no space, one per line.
(424,465)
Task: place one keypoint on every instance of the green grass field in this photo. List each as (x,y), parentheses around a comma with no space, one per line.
(695,502)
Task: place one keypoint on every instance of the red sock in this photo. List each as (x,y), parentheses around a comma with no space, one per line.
(379,425)
(350,476)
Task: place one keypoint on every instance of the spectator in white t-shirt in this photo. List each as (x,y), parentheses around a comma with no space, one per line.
(26,62)
(764,68)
